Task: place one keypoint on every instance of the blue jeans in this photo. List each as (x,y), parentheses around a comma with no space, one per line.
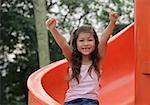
(82,101)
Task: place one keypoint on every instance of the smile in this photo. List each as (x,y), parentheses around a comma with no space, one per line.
(86,49)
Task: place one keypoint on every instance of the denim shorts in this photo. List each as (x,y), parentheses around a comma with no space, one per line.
(82,101)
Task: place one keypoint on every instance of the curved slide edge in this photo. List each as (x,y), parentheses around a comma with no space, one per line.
(47,86)
(37,95)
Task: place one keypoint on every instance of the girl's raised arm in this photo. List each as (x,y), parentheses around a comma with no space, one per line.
(61,41)
(106,35)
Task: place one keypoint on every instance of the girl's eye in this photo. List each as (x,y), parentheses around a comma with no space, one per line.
(90,39)
(81,40)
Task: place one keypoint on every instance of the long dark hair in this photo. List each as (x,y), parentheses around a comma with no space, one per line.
(77,56)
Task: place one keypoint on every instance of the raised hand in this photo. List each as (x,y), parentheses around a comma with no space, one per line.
(51,23)
(113,16)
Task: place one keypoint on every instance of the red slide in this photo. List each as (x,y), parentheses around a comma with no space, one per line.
(47,86)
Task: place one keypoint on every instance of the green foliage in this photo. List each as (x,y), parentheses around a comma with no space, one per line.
(55,51)
(19,57)
(119,27)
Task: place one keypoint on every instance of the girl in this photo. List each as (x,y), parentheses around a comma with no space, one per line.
(85,55)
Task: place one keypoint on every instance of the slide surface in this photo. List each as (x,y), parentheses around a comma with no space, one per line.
(47,86)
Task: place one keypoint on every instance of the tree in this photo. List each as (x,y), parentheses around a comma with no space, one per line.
(18,50)
(18,58)
(73,13)
(42,35)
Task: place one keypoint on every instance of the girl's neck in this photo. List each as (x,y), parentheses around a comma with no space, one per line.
(86,60)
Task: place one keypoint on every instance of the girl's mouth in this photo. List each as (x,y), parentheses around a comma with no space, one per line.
(86,49)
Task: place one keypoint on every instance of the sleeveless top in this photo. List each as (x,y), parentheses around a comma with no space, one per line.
(88,86)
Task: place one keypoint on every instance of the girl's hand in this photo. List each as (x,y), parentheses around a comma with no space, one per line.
(113,16)
(51,23)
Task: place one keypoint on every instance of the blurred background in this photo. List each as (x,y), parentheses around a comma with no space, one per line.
(21,46)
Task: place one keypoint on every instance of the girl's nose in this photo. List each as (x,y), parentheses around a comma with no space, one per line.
(85,42)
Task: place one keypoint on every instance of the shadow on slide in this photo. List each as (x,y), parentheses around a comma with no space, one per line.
(47,86)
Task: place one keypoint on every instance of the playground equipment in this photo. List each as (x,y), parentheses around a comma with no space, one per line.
(126,76)
(142,52)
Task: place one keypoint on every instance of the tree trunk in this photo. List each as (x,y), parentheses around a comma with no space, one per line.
(42,33)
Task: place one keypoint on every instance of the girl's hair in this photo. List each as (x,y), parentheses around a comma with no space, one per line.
(77,56)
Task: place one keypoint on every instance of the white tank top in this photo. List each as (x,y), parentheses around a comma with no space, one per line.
(88,86)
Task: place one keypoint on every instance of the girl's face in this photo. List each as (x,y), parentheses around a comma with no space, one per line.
(85,43)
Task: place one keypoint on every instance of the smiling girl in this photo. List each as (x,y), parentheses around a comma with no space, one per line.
(85,55)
